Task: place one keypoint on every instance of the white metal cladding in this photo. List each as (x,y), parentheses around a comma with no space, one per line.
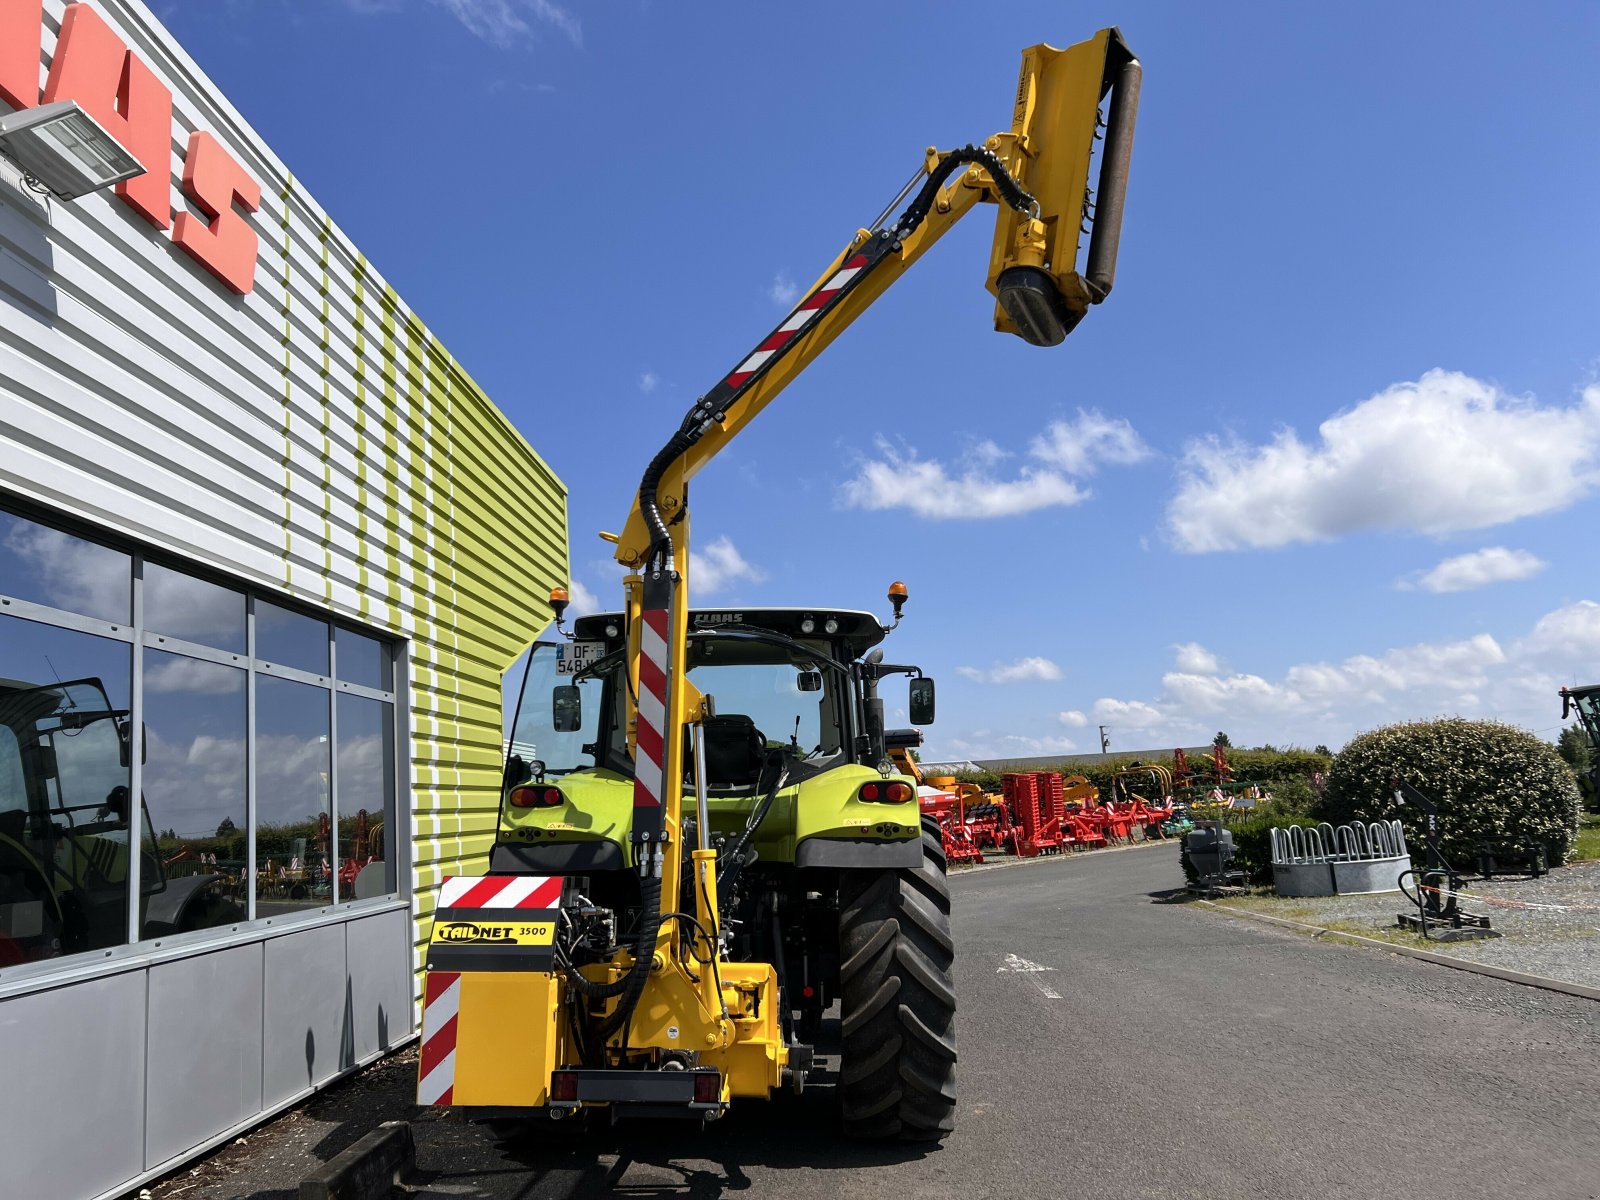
(311,436)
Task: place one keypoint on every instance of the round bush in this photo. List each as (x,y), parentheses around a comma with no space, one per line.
(1494,784)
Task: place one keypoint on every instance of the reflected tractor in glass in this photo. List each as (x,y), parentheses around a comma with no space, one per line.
(709,881)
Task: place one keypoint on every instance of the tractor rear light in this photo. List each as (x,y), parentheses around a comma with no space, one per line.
(707,1087)
(563,1088)
(886,793)
(536,797)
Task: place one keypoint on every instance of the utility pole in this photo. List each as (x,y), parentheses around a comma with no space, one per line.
(1105,742)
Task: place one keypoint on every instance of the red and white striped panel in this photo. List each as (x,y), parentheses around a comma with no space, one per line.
(500,891)
(798,320)
(436,1061)
(649,774)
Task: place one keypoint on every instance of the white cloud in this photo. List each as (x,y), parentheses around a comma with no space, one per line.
(782,290)
(987,743)
(1072,717)
(584,602)
(175,673)
(1126,714)
(1443,454)
(648,381)
(1196,659)
(1024,670)
(719,565)
(1080,445)
(505,22)
(898,478)
(1563,639)
(1465,572)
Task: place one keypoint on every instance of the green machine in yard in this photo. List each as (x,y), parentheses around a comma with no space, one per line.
(1585,702)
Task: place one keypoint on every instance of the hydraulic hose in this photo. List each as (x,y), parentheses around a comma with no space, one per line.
(631,986)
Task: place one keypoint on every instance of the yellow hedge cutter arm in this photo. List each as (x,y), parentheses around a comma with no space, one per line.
(1037,172)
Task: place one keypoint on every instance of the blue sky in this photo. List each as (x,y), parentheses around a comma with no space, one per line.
(1326,458)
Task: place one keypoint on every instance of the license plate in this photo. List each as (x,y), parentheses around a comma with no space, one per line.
(576,656)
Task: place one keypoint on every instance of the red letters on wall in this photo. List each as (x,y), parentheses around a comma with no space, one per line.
(94,67)
(20,22)
(227,245)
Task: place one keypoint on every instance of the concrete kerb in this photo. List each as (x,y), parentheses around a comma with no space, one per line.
(1002,862)
(367,1170)
(1444,960)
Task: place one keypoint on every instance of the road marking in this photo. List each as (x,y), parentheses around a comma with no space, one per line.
(1021,966)
(1017,965)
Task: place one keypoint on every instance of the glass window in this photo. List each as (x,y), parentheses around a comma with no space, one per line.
(194,789)
(65,810)
(289,639)
(294,867)
(366,779)
(46,566)
(365,660)
(534,735)
(182,606)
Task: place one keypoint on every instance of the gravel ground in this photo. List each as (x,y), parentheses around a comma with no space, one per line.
(1558,942)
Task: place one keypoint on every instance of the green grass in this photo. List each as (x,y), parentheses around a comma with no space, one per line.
(1267,904)
(1587,847)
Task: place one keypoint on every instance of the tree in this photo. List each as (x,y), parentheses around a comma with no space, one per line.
(1323,750)
(1222,740)
(1573,746)
(227,827)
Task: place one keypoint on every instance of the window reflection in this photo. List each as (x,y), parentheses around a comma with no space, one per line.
(194,787)
(183,606)
(64,799)
(290,639)
(294,867)
(366,797)
(46,566)
(364,660)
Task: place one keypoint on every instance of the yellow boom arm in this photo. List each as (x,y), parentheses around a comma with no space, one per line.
(1038,173)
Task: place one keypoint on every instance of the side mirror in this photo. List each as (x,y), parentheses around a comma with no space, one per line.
(566,706)
(922,701)
(809,681)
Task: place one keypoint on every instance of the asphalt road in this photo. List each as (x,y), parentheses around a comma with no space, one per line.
(1113,1046)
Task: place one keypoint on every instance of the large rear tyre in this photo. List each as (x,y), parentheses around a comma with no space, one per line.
(898,1061)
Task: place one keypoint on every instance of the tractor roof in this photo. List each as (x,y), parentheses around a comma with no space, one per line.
(859,631)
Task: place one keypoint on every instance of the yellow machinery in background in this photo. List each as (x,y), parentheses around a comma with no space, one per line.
(633,953)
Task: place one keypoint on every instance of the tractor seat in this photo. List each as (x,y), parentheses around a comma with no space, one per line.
(735,751)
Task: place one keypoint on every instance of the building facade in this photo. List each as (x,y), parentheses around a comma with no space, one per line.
(255,603)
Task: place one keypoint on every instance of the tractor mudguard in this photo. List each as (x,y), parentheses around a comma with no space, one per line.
(556,858)
(859,853)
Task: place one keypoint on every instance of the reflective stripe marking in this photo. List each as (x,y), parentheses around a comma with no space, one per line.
(436,1062)
(499,891)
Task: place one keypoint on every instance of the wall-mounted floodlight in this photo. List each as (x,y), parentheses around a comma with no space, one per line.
(65,150)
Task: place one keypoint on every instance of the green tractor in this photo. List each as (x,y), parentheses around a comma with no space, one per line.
(825,867)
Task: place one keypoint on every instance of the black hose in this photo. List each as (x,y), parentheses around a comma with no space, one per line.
(1004,182)
(644,949)
(735,852)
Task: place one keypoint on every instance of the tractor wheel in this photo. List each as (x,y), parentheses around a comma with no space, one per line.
(897,1071)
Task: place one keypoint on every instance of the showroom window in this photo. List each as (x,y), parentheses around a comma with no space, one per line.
(260,741)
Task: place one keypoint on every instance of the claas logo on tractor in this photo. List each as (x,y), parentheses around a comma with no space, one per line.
(1033,267)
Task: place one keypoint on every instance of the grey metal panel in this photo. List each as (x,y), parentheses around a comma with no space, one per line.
(379,954)
(204,1051)
(71,1109)
(304,1014)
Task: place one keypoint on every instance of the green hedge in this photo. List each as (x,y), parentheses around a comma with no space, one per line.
(1492,783)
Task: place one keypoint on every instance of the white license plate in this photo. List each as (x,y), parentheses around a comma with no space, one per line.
(576,656)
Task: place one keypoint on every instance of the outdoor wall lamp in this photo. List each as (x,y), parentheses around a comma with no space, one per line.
(64,150)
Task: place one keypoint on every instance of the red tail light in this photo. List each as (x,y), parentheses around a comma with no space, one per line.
(886,793)
(563,1087)
(536,797)
(707,1087)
